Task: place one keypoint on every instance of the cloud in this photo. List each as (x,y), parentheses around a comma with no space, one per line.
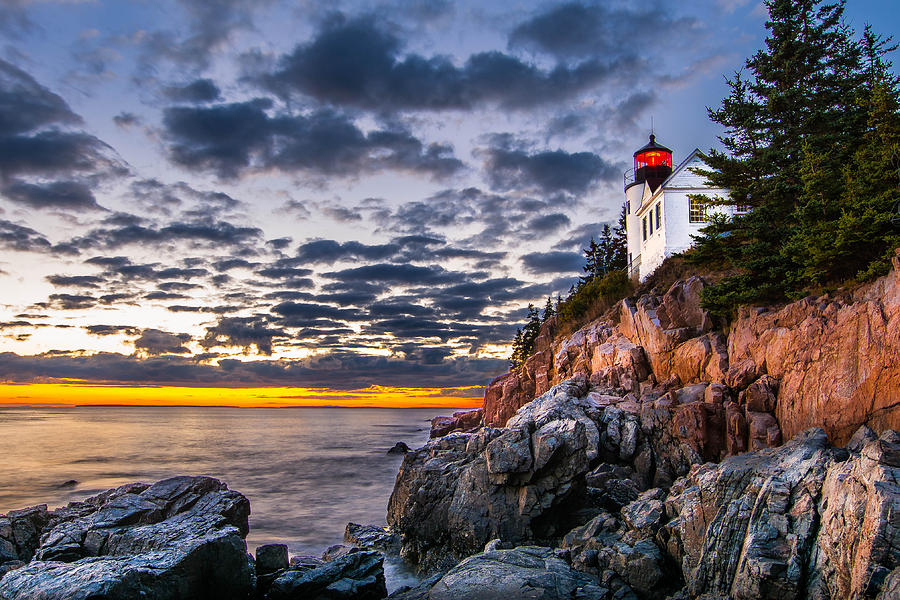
(209,26)
(585,29)
(19,237)
(547,224)
(553,262)
(113,330)
(26,105)
(58,194)
(211,233)
(82,281)
(31,139)
(197,91)
(232,138)
(330,251)
(510,166)
(357,62)
(154,342)
(242,332)
(335,370)
(395,274)
(127,119)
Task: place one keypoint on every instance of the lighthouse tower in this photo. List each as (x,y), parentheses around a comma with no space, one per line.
(666,207)
(652,166)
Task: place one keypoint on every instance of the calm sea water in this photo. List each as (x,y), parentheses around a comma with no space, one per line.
(306,471)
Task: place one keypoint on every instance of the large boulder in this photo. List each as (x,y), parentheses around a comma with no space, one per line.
(805,520)
(534,480)
(523,572)
(181,537)
(354,576)
(460,421)
(859,536)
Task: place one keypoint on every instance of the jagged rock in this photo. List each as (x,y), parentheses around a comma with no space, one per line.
(859,537)
(740,373)
(460,421)
(863,436)
(602,547)
(356,576)
(764,430)
(645,514)
(535,479)
(799,521)
(745,527)
(761,395)
(680,306)
(401,447)
(371,536)
(523,572)
(181,537)
(701,426)
(271,558)
(20,532)
(715,393)
(837,359)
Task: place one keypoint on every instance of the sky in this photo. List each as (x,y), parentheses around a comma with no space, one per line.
(267,202)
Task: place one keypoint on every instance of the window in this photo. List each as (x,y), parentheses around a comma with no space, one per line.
(742,208)
(650,216)
(657,216)
(695,210)
(645,228)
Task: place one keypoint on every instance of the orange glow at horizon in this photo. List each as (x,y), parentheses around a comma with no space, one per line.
(81,393)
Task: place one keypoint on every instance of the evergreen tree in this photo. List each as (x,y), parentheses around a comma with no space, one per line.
(523,344)
(548,309)
(516,358)
(606,250)
(592,263)
(844,229)
(801,92)
(619,259)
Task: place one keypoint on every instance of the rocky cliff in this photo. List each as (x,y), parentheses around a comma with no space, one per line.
(830,362)
(667,456)
(602,485)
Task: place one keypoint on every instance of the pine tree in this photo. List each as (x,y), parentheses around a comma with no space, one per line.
(523,344)
(619,258)
(592,263)
(799,94)
(606,250)
(844,229)
(548,309)
(516,358)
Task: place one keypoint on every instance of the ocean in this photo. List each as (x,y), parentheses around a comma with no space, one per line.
(307,471)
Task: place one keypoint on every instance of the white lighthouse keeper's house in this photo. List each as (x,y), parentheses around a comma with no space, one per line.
(661,216)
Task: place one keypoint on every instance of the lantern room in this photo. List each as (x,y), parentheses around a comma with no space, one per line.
(652,163)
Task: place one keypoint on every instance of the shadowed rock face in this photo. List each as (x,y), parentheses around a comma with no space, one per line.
(181,537)
(533,480)
(356,576)
(804,520)
(525,572)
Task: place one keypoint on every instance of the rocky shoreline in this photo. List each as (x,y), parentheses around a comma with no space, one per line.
(643,456)
(558,504)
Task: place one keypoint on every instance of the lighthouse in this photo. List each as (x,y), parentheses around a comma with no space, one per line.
(665,206)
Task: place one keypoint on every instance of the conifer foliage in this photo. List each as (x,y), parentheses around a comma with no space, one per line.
(523,344)
(811,126)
